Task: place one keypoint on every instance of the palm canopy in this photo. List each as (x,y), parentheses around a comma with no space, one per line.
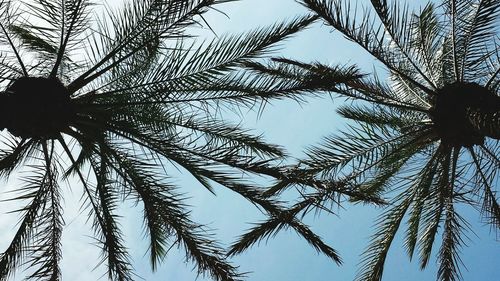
(425,139)
(113,99)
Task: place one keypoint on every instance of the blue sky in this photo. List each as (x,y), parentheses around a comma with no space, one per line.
(294,126)
(287,257)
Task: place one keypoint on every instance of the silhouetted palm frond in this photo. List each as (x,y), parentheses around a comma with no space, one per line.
(121,96)
(425,138)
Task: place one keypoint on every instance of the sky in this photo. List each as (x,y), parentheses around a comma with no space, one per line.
(294,126)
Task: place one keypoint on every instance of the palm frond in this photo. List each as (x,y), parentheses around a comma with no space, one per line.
(368,35)
(449,259)
(46,247)
(107,228)
(397,23)
(206,73)
(142,100)
(487,175)
(398,146)
(9,12)
(361,147)
(425,39)
(136,27)
(13,154)
(374,257)
(165,218)
(372,264)
(40,190)
(281,220)
(474,24)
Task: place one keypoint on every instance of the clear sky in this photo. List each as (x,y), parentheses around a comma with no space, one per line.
(294,126)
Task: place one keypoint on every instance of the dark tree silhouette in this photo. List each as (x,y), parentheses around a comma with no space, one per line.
(425,139)
(123,95)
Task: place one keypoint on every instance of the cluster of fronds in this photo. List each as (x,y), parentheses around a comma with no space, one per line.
(144,95)
(393,148)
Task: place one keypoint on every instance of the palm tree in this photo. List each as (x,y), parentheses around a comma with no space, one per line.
(114,99)
(425,139)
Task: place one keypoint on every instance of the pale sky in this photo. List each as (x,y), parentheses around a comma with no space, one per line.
(294,126)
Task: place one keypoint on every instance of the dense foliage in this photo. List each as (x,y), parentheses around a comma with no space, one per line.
(114,99)
(425,139)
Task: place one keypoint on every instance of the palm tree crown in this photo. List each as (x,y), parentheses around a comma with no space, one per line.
(428,138)
(122,95)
